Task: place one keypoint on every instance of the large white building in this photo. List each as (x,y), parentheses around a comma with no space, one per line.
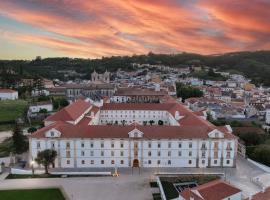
(121,135)
(8,94)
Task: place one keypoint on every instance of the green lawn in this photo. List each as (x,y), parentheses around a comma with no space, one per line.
(32,194)
(12,109)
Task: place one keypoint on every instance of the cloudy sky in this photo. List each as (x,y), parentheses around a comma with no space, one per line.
(96,28)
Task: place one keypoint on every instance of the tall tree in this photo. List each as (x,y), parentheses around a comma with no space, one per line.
(46,158)
(20,141)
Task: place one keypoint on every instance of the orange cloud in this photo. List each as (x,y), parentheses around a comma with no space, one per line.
(113,27)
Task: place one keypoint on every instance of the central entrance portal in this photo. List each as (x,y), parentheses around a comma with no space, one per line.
(136,163)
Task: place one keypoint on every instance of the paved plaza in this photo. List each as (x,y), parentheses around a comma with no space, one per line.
(135,186)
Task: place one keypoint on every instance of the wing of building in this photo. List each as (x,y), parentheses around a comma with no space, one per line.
(130,135)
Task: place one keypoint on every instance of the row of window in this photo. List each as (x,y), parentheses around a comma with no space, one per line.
(133,111)
(149,145)
(92,162)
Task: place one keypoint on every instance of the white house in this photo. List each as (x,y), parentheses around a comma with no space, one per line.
(88,136)
(8,94)
(36,107)
(267,116)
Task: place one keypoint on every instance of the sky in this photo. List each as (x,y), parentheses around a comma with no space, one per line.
(97,28)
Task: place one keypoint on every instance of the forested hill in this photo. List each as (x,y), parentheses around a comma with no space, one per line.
(255,65)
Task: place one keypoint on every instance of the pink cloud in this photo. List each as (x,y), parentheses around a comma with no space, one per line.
(112,27)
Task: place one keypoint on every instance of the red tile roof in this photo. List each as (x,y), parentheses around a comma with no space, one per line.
(82,130)
(262,195)
(214,190)
(191,125)
(2,90)
(71,112)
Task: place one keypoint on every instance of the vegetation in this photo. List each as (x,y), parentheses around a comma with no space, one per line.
(243,62)
(6,147)
(209,75)
(20,141)
(153,184)
(186,91)
(32,194)
(24,176)
(59,103)
(46,158)
(261,154)
(10,110)
(32,130)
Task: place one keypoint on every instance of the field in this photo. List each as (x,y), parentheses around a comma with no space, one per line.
(32,194)
(12,109)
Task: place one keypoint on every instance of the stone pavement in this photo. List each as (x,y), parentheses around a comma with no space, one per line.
(134,186)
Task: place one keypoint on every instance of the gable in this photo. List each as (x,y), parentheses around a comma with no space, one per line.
(216,134)
(135,133)
(53,133)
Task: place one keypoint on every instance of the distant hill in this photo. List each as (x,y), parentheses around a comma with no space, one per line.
(255,65)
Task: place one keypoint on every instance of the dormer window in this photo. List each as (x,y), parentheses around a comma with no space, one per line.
(52,134)
(135,133)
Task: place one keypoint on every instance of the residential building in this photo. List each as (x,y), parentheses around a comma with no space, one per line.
(8,94)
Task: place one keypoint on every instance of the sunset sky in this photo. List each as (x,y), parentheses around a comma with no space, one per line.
(96,28)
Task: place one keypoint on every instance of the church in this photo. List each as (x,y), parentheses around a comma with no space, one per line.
(100,78)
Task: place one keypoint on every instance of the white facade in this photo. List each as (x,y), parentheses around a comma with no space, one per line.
(88,140)
(267,116)
(8,95)
(37,108)
(149,152)
(136,116)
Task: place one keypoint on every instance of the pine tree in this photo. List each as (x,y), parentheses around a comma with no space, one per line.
(20,141)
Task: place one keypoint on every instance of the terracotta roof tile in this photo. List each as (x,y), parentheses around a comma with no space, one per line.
(214,190)
(71,112)
(2,90)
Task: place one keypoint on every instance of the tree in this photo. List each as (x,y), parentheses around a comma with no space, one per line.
(123,122)
(251,138)
(151,122)
(63,102)
(185,91)
(160,122)
(55,104)
(31,130)
(20,141)
(43,110)
(261,154)
(46,158)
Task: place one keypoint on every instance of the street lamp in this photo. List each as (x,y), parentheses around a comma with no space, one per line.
(32,167)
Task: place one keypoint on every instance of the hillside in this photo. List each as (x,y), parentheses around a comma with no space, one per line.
(255,65)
